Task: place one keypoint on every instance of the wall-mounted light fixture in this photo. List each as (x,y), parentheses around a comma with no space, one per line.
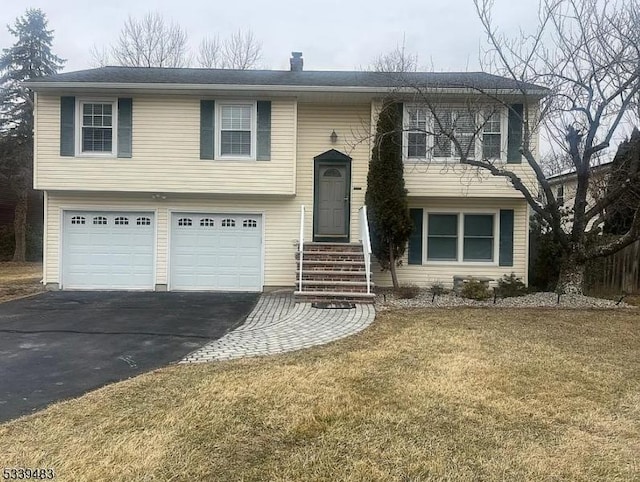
(333,137)
(158,197)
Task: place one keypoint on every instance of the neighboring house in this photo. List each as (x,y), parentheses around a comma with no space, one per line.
(564,185)
(194,179)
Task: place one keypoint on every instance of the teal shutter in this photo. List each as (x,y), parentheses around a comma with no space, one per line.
(514,133)
(415,239)
(67,126)
(263,150)
(125,123)
(506,237)
(207,129)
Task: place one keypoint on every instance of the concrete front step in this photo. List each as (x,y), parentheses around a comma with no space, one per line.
(330,273)
(333,247)
(336,255)
(337,296)
(333,285)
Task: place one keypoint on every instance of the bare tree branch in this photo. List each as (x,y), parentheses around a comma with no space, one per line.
(239,51)
(397,60)
(210,53)
(149,42)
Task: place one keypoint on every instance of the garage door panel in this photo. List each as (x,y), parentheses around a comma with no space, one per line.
(215,252)
(106,253)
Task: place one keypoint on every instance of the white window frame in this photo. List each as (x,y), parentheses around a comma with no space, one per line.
(460,240)
(406,130)
(503,111)
(504,121)
(560,194)
(114,126)
(218,129)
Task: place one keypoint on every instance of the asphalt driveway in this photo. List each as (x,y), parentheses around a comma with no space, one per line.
(59,345)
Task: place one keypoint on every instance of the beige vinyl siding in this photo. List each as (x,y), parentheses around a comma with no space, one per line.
(426,274)
(280,226)
(166,153)
(453,179)
(315,124)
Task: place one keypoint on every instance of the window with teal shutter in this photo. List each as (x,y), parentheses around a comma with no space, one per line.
(442,239)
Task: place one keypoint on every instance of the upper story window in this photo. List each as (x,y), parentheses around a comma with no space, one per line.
(492,137)
(417,134)
(237,130)
(96,125)
(560,194)
(430,133)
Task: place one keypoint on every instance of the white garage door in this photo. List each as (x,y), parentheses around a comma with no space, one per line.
(107,250)
(216,252)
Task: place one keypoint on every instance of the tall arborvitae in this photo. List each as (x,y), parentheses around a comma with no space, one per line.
(28,58)
(386,196)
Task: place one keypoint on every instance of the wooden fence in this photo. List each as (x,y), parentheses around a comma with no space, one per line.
(618,272)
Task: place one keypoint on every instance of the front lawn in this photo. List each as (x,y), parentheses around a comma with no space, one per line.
(19,279)
(434,394)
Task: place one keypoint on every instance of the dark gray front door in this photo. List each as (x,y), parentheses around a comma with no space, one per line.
(332,202)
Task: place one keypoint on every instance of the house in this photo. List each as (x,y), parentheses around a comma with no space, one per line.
(565,183)
(196,179)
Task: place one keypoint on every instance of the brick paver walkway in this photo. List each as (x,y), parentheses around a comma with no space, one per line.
(278,325)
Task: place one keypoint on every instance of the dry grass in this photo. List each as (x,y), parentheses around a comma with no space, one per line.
(633,299)
(19,279)
(464,394)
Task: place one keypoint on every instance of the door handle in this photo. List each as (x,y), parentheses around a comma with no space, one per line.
(346,199)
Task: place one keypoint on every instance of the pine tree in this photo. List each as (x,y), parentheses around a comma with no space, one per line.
(28,58)
(386,196)
(625,165)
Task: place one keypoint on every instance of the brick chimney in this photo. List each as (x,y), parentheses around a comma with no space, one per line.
(296,61)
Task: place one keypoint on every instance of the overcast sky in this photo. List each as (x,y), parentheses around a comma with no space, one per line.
(332,34)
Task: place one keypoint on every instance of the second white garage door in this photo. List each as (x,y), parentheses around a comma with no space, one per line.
(216,252)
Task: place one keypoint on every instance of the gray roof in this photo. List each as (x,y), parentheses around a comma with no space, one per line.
(330,79)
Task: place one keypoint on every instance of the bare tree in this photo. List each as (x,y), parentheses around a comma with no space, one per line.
(587,53)
(210,53)
(396,60)
(239,51)
(242,51)
(147,42)
(99,56)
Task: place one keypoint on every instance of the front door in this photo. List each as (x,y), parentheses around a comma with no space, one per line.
(332,203)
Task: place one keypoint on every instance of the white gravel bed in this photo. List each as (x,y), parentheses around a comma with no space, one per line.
(386,300)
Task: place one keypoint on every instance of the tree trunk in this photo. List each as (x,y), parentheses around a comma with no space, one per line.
(20,227)
(392,268)
(571,279)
